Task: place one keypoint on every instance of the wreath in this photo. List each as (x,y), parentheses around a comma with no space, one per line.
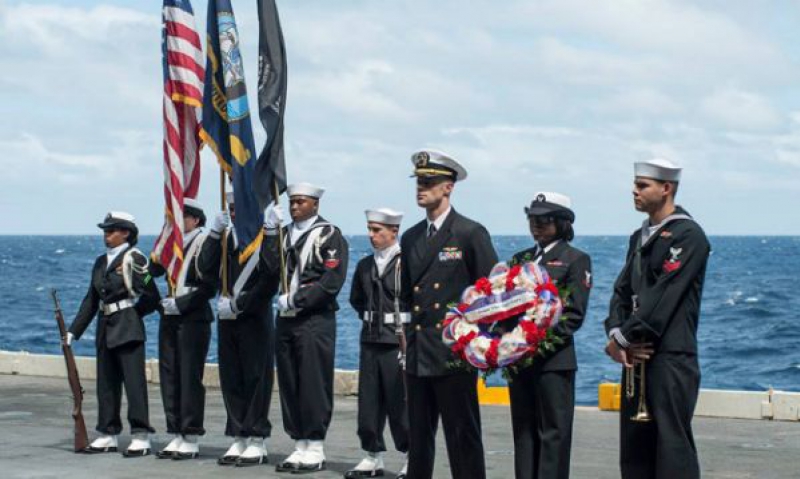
(505,317)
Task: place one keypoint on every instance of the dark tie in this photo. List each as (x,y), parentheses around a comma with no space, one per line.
(431,230)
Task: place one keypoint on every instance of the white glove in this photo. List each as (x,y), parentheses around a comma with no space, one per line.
(284,304)
(170,307)
(69,339)
(273,216)
(225,308)
(221,221)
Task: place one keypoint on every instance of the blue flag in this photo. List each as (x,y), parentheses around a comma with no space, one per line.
(226,122)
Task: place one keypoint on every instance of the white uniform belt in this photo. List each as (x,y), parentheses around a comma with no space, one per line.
(388,318)
(112,308)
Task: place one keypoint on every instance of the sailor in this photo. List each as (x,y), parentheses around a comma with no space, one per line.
(375,295)
(543,391)
(315,256)
(184,335)
(653,317)
(245,334)
(441,256)
(121,293)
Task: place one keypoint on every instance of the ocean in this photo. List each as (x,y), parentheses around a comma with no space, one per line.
(749,327)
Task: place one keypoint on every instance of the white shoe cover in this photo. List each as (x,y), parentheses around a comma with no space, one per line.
(106,440)
(238,447)
(372,462)
(257,447)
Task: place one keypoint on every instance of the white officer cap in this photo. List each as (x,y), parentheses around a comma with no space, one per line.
(550,203)
(193,204)
(118,219)
(658,169)
(305,189)
(435,163)
(384,216)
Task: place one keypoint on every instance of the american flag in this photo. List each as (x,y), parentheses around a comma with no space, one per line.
(183,97)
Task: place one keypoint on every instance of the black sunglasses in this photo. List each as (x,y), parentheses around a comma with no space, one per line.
(542,220)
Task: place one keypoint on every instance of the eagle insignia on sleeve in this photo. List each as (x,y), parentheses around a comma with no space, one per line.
(674,262)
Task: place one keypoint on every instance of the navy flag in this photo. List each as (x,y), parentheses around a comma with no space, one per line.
(271,166)
(226,122)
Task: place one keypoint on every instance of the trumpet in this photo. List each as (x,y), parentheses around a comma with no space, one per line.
(642,413)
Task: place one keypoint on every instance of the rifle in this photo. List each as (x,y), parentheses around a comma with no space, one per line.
(398,326)
(81,438)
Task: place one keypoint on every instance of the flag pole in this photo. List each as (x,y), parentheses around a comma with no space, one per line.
(224,235)
(284,280)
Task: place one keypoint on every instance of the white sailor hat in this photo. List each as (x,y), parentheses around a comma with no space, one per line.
(658,169)
(548,203)
(432,163)
(229,197)
(384,216)
(305,189)
(119,219)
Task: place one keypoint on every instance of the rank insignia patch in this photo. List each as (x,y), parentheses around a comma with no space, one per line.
(332,262)
(587,281)
(555,263)
(666,234)
(451,253)
(674,262)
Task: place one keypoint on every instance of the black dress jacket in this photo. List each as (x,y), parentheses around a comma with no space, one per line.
(323,275)
(435,272)
(571,270)
(667,280)
(108,286)
(374,293)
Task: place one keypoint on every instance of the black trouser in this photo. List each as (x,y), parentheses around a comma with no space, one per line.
(455,398)
(123,364)
(542,411)
(380,394)
(246,372)
(304,353)
(663,448)
(182,351)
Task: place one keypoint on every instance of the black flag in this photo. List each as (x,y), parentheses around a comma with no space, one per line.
(271,164)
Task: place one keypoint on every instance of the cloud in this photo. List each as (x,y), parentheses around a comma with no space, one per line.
(741,110)
(560,95)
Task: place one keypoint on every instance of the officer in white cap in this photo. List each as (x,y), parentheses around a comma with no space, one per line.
(542,391)
(185,333)
(441,255)
(316,256)
(653,317)
(121,293)
(375,295)
(245,335)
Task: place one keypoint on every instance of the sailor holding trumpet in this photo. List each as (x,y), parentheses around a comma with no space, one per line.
(652,330)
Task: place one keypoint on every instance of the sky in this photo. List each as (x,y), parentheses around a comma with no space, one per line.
(560,95)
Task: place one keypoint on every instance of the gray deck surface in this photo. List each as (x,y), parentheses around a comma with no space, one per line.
(35,441)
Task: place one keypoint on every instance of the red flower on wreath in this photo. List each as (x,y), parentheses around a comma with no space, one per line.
(512,274)
(548,286)
(462,307)
(491,353)
(533,334)
(484,286)
(463,342)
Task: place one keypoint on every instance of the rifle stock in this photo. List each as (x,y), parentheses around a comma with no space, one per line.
(81,439)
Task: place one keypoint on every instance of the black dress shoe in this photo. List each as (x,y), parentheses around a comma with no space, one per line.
(182,456)
(227,460)
(163,454)
(355,474)
(99,450)
(251,461)
(309,468)
(136,452)
(287,466)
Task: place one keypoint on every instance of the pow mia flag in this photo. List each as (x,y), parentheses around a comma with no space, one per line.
(271,165)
